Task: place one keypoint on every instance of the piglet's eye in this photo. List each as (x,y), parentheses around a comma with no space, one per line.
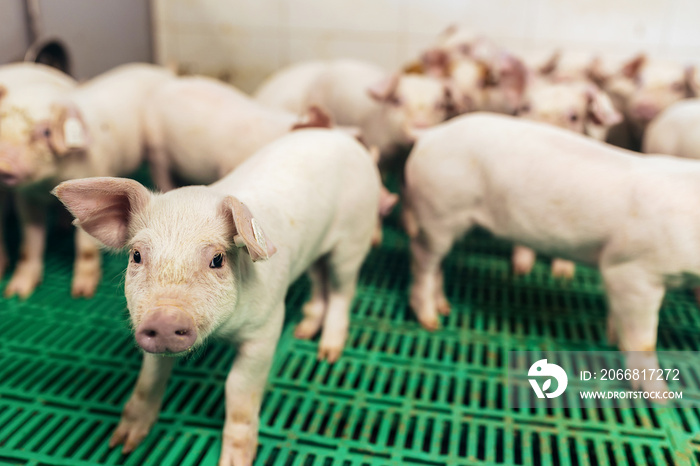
(47,133)
(573,117)
(136,256)
(217,262)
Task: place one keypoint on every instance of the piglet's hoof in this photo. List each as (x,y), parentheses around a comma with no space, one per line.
(85,285)
(24,281)
(563,269)
(443,307)
(306,329)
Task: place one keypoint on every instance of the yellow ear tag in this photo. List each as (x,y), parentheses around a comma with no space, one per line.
(259,236)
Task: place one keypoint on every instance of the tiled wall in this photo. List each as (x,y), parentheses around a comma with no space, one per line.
(245,40)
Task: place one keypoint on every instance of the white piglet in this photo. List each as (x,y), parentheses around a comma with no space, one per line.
(389,108)
(96,129)
(561,194)
(217,261)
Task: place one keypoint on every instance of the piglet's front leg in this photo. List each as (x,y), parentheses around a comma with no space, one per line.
(30,268)
(141,411)
(245,385)
(87,269)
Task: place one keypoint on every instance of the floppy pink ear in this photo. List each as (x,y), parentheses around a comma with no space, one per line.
(69,132)
(692,84)
(103,207)
(601,110)
(247,231)
(595,71)
(551,64)
(632,68)
(384,89)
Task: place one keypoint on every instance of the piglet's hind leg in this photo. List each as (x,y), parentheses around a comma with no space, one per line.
(634,298)
(344,268)
(315,309)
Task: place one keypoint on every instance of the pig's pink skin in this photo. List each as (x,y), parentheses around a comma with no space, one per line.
(388,109)
(325,226)
(482,75)
(287,89)
(34,156)
(542,187)
(675,131)
(570,66)
(576,105)
(27,90)
(200,129)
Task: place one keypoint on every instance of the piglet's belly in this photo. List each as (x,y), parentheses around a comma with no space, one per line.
(581,242)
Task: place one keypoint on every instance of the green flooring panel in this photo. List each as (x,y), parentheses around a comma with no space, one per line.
(399,395)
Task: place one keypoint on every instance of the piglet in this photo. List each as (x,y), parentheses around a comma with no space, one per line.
(27,158)
(216,261)
(480,74)
(96,129)
(562,194)
(389,108)
(576,105)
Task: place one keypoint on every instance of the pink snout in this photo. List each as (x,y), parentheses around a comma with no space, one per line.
(166,330)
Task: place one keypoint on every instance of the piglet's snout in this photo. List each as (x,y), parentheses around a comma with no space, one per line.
(166,329)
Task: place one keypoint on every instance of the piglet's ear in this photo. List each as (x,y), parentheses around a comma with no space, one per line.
(601,110)
(548,67)
(3,92)
(247,232)
(632,68)
(384,89)
(104,207)
(314,117)
(692,83)
(69,132)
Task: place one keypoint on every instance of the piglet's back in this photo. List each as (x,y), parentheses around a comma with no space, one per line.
(528,179)
(306,189)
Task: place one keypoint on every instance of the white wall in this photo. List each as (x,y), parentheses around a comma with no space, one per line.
(245,40)
(14,36)
(99,35)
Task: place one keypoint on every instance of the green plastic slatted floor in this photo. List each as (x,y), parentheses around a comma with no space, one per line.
(399,395)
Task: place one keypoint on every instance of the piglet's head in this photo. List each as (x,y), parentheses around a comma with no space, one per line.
(412,103)
(655,85)
(578,106)
(186,250)
(36,138)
